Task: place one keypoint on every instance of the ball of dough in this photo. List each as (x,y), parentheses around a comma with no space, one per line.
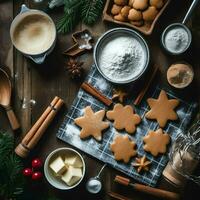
(140,4)
(137,23)
(134,15)
(120,18)
(157,3)
(120,2)
(116,9)
(125,11)
(130,3)
(150,13)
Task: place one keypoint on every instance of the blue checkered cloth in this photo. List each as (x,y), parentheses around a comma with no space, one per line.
(69,132)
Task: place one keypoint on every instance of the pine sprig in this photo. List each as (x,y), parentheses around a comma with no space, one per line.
(11,178)
(6,144)
(91,11)
(70,17)
(76,10)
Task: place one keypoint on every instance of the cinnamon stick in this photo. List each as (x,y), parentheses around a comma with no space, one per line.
(145,88)
(38,129)
(39,122)
(45,124)
(96,93)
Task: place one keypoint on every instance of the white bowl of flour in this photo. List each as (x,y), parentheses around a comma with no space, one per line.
(121,55)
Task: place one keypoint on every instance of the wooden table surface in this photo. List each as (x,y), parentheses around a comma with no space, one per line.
(42,82)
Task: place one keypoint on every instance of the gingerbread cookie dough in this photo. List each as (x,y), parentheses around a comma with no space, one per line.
(120,2)
(162,109)
(157,3)
(142,164)
(92,124)
(150,13)
(156,142)
(116,9)
(136,12)
(124,117)
(123,148)
(140,4)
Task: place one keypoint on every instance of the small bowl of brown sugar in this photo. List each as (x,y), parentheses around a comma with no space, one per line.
(180,75)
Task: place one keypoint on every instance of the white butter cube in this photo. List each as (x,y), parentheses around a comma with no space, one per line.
(58,166)
(72,175)
(74,161)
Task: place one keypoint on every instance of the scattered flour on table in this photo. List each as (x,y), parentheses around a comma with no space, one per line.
(122,58)
(101,84)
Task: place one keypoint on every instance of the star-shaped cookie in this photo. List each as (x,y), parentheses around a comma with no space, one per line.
(92,124)
(162,109)
(119,94)
(124,117)
(156,142)
(142,164)
(123,148)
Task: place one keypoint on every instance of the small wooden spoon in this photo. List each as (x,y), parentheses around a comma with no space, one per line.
(5,96)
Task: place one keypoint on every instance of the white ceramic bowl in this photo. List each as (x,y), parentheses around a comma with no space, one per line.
(56,181)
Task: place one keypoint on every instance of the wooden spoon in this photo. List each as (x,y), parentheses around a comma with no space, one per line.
(5,96)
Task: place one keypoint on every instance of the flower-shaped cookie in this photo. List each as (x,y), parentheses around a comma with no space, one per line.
(92,124)
(156,142)
(123,148)
(162,109)
(124,117)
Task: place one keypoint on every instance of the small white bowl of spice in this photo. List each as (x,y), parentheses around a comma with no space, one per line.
(64,168)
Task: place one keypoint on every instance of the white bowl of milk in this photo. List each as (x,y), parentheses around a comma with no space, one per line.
(33,33)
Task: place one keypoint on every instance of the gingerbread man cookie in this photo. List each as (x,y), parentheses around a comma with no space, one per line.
(123,148)
(162,109)
(124,117)
(92,124)
(156,142)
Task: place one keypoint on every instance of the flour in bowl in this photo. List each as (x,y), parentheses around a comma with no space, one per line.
(122,59)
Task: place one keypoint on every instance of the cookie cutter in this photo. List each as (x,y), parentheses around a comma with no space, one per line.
(83,42)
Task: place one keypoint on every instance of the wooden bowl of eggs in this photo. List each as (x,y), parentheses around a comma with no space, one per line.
(138,14)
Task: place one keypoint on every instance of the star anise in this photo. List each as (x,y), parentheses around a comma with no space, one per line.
(142,164)
(74,68)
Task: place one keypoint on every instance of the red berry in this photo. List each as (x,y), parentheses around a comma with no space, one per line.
(27,172)
(36,175)
(36,163)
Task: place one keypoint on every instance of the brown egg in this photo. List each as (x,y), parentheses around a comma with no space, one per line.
(150,13)
(137,23)
(140,4)
(134,15)
(116,9)
(130,3)
(125,11)
(119,17)
(120,2)
(157,3)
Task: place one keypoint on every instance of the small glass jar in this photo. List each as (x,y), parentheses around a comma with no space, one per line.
(184,158)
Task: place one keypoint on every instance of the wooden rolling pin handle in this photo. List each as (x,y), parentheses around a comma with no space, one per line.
(156,192)
(12,118)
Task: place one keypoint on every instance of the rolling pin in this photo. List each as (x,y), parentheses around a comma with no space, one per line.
(147,189)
